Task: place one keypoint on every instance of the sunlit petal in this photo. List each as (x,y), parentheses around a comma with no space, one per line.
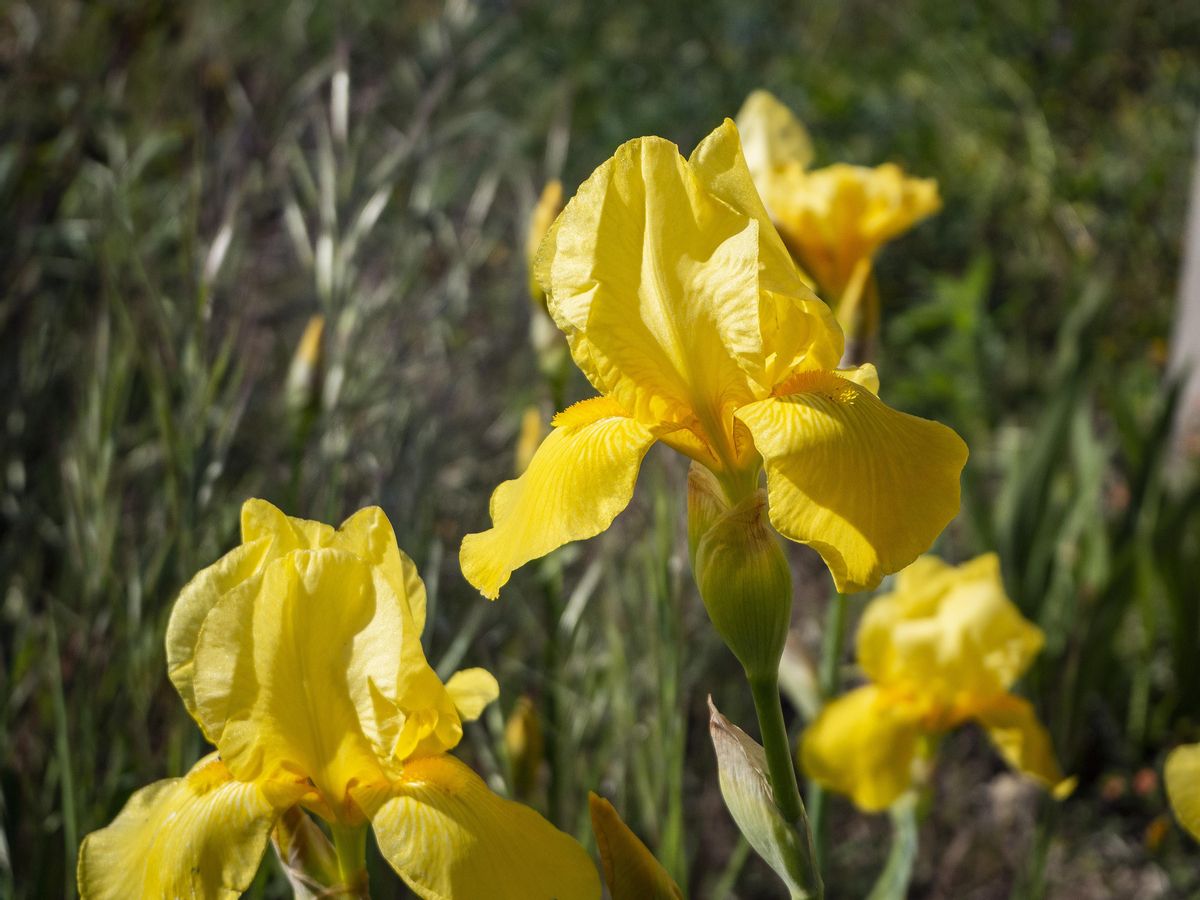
(862,744)
(655,283)
(797,330)
(868,487)
(368,535)
(261,519)
(283,672)
(448,836)
(200,836)
(836,217)
(196,600)
(579,479)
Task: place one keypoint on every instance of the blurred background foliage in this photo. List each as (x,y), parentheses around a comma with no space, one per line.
(183,186)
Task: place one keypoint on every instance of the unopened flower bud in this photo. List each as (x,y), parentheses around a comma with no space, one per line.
(523,741)
(304,374)
(746,788)
(743,575)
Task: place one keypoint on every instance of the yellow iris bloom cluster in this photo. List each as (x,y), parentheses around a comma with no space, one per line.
(685,311)
(942,649)
(298,654)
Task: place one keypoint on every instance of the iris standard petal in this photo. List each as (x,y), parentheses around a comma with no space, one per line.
(449,836)
(1013,727)
(283,672)
(796,329)
(866,486)
(262,519)
(954,633)
(368,535)
(654,281)
(1182,774)
(196,600)
(862,744)
(199,836)
(579,479)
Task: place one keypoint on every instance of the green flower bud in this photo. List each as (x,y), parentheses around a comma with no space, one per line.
(742,573)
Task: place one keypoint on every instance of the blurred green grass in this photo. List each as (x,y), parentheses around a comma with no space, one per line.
(183,186)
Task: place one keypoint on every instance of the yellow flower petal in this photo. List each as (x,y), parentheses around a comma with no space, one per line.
(797,330)
(950,632)
(630,869)
(654,281)
(196,600)
(448,836)
(261,519)
(285,672)
(368,535)
(269,534)
(200,836)
(579,479)
(868,487)
(771,134)
(1013,727)
(1183,786)
(862,744)
(472,690)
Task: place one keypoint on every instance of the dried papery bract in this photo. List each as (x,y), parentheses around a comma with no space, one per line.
(742,770)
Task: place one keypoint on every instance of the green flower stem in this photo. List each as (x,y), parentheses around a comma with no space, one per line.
(350,845)
(777,747)
(829,678)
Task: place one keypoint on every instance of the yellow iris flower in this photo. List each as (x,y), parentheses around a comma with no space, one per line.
(834,219)
(1183,786)
(684,310)
(942,649)
(298,654)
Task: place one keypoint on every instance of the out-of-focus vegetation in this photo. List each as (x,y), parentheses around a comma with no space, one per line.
(183,186)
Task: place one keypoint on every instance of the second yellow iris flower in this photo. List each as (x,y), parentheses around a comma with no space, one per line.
(944,648)
(298,654)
